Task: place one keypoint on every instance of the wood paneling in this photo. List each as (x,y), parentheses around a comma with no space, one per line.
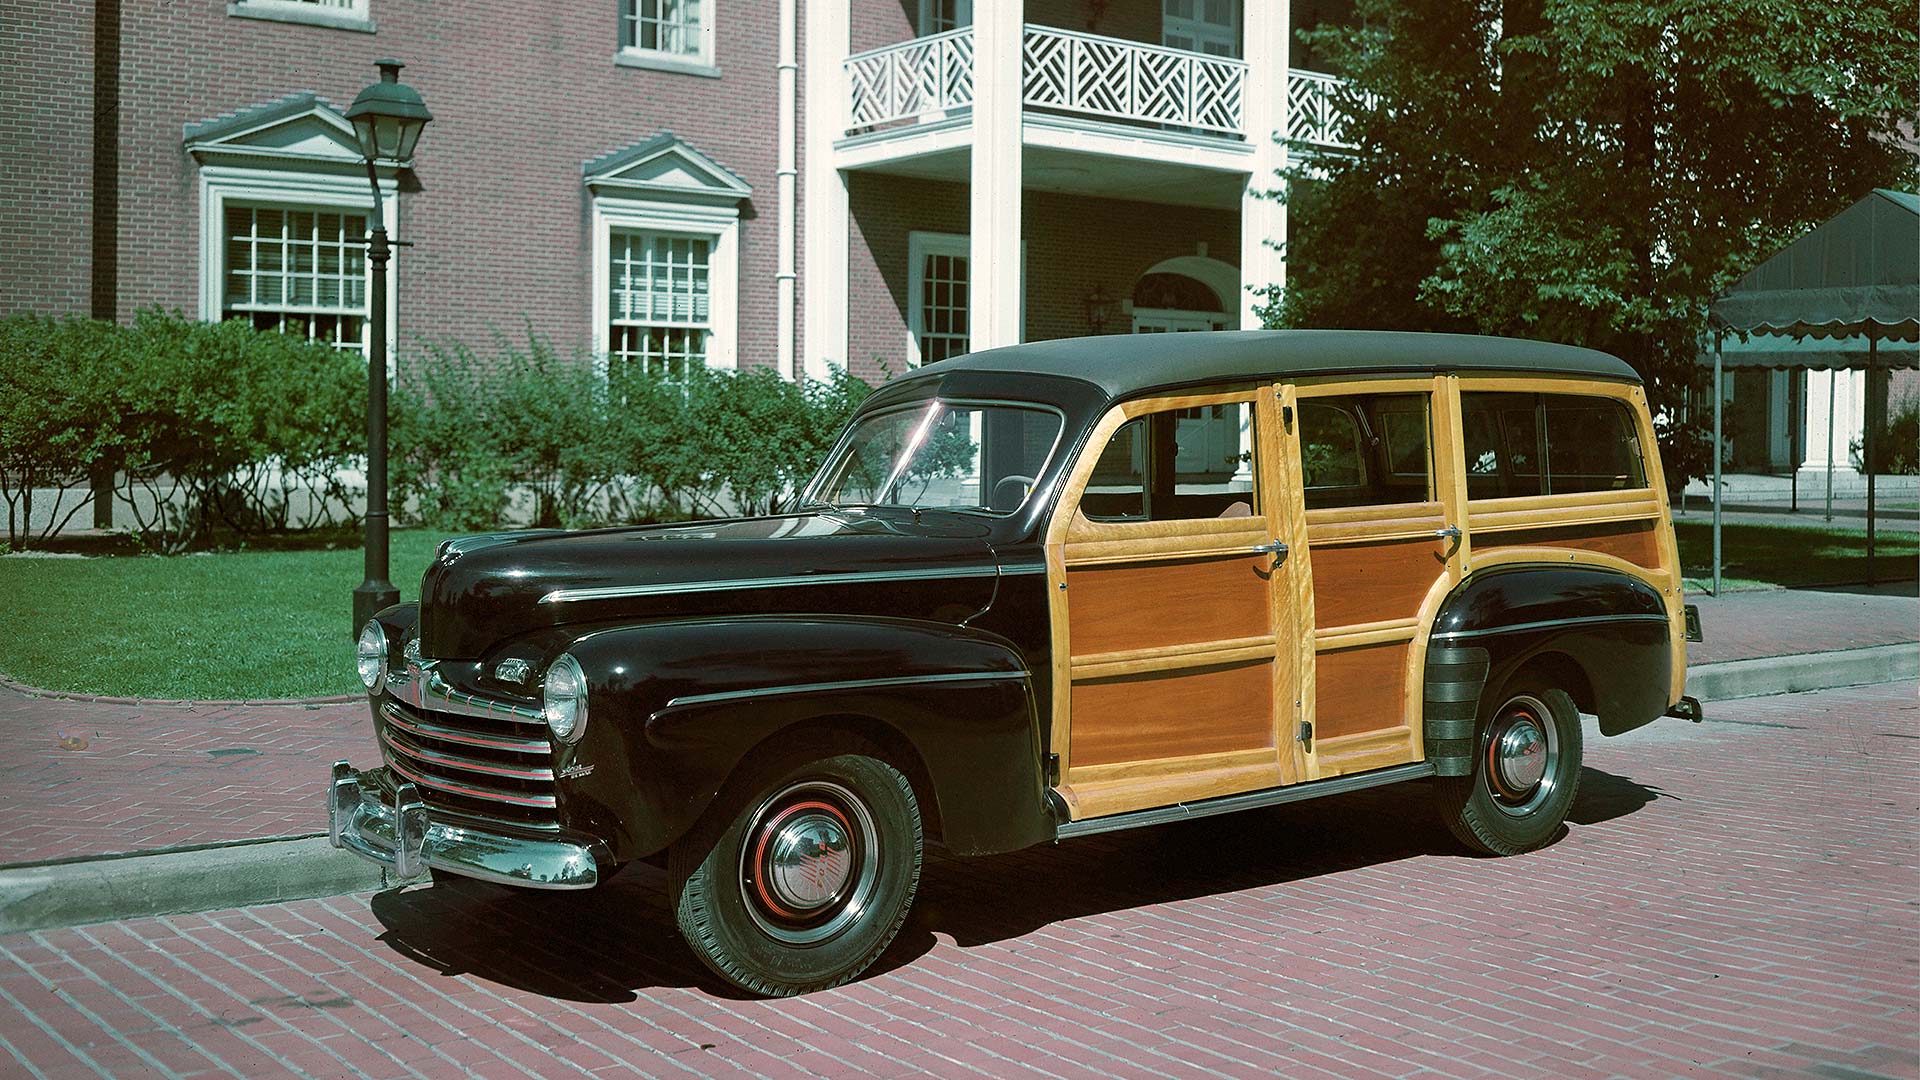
(1360,690)
(1156,604)
(1366,583)
(1202,711)
(1634,541)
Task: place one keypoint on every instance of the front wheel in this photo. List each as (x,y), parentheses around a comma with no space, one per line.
(802,879)
(1525,773)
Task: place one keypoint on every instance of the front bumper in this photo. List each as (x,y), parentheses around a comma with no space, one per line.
(403,838)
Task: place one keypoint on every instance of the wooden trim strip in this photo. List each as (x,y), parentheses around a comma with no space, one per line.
(1087,799)
(1373,633)
(1174,766)
(1197,544)
(1110,665)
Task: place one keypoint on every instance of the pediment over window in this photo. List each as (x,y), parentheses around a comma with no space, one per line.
(297,128)
(665,167)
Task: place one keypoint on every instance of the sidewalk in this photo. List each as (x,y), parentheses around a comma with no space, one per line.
(1786,622)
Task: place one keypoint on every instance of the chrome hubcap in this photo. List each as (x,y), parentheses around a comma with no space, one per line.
(1522,749)
(807,864)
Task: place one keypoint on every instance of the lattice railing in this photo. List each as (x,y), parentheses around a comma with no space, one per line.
(911,80)
(1126,80)
(1084,73)
(1313,114)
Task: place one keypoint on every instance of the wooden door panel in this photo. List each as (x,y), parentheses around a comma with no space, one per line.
(1373,582)
(1360,689)
(1173,715)
(1164,603)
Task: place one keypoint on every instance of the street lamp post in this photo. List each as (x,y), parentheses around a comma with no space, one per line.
(387,119)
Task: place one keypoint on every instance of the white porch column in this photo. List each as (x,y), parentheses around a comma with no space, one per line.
(829,39)
(1263,221)
(993,257)
(1849,411)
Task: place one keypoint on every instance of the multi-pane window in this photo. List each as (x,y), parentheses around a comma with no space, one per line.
(942,306)
(298,271)
(939,15)
(659,310)
(674,27)
(1203,26)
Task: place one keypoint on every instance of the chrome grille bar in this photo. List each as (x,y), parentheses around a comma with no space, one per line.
(448,759)
(398,716)
(412,770)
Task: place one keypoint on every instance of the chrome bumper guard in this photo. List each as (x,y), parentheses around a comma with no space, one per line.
(403,838)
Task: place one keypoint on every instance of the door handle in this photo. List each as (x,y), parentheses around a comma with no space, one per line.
(1451,532)
(1277,549)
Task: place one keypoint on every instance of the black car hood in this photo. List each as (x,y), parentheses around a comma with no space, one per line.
(483,590)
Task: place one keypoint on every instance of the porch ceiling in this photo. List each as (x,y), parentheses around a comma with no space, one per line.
(1104,176)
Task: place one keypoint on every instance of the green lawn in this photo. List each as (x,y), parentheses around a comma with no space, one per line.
(270,624)
(1754,556)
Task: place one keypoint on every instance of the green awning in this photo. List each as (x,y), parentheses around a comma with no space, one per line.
(1857,275)
(1817,353)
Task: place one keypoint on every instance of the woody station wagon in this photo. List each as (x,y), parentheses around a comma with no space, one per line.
(1036,593)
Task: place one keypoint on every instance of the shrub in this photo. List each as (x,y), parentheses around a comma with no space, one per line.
(1896,445)
(57,413)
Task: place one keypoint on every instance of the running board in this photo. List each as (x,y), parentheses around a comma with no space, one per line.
(1227,804)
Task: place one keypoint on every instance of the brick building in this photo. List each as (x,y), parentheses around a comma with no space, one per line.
(741,182)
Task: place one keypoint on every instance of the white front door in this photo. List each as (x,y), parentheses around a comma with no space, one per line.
(1170,321)
(1202,26)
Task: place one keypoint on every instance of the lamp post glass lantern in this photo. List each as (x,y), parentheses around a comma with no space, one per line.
(387,120)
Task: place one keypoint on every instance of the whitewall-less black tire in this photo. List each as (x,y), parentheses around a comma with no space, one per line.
(1526,772)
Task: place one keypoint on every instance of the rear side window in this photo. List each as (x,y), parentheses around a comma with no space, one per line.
(1548,444)
(1365,450)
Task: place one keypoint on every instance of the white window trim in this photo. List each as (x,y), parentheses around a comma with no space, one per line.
(353,17)
(719,224)
(703,62)
(220,184)
(920,244)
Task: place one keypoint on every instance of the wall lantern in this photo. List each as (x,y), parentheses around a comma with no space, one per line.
(1099,309)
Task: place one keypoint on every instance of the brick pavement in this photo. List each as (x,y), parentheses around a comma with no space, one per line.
(1733,899)
(1779,622)
(90,778)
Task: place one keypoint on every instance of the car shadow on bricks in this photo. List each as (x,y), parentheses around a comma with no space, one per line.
(609,944)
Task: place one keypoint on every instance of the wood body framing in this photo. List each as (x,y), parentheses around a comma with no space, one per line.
(1166,634)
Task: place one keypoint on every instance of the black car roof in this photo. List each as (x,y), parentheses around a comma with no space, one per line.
(1123,365)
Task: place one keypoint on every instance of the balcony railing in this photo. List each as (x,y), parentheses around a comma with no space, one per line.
(1070,72)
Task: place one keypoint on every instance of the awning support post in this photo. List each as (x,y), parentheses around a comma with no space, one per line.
(1718,402)
(1873,413)
(1833,386)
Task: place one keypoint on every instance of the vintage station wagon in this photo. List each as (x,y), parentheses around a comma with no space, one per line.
(1035,593)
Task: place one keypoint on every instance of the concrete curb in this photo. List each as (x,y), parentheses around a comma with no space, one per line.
(1768,675)
(176,882)
(83,891)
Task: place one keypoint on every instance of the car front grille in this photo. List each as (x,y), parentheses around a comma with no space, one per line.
(491,770)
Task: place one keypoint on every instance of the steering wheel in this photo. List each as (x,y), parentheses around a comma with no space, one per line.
(1022,484)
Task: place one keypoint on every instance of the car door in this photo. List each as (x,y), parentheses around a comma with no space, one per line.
(1175,609)
(1383,548)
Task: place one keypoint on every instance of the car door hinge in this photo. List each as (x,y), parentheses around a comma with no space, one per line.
(1305,733)
(1053,769)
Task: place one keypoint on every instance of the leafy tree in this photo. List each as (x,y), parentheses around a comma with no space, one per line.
(1591,171)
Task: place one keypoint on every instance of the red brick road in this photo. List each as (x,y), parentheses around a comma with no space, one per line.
(1733,899)
(98,778)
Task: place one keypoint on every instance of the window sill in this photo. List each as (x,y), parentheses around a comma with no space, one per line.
(679,65)
(304,14)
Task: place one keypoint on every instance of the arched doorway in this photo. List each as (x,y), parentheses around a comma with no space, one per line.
(1190,292)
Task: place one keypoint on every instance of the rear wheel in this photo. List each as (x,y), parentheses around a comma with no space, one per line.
(802,878)
(1525,774)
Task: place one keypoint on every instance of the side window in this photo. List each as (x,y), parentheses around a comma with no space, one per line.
(1177,465)
(1366,450)
(1591,445)
(1503,445)
(1548,444)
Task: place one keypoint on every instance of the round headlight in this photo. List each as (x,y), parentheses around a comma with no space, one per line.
(563,699)
(370,655)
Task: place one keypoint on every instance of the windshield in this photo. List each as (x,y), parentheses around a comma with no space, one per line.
(941,454)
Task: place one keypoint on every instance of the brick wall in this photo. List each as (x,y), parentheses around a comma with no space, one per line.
(521,95)
(1073,244)
(46,155)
